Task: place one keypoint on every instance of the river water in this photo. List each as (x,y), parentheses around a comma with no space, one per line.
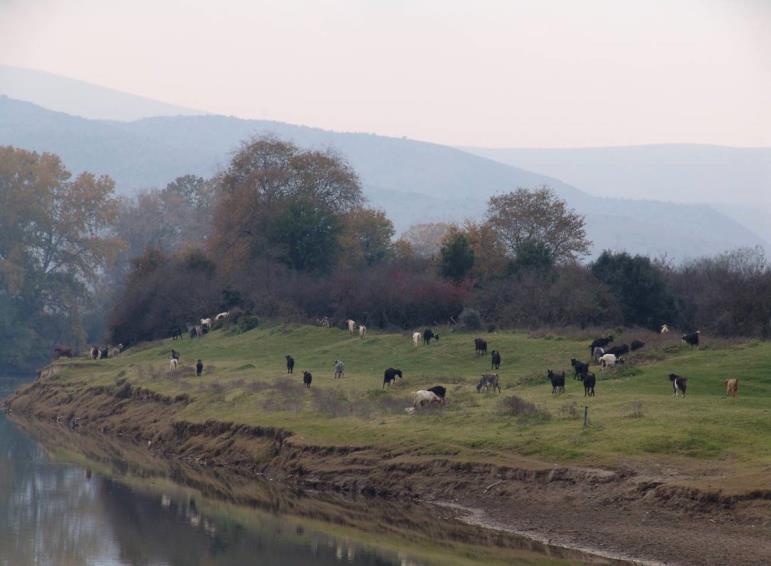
(65,506)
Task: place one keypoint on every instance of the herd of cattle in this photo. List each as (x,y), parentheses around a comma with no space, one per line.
(602,352)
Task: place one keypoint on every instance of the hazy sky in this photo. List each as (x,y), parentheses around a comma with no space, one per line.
(549,73)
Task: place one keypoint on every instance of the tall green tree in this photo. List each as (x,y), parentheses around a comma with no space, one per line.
(280,203)
(523,218)
(54,243)
(639,286)
(456,257)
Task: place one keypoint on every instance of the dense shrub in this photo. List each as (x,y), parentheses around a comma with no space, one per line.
(470,319)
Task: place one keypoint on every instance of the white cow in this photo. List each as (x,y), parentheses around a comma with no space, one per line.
(206,322)
(362,331)
(173,363)
(222,315)
(416,336)
(422,397)
(610,360)
(351,326)
(664,329)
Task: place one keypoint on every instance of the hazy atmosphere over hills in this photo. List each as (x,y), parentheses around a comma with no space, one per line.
(412,181)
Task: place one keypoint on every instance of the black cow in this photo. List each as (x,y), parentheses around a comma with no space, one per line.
(580,368)
(428,334)
(691,339)
(390,375)
(307,379)
(679,384)
(199,368)
(104,353)
(176,332)
(174,354)
(618,351)
(496,360)
(557,381)
(480,346)
(636,345)
(599,343)
(289,364)
(589,380)
(438,390)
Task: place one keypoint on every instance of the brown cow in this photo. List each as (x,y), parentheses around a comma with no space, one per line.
(731,387)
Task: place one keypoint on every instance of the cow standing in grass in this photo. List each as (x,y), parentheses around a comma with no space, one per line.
(390,375)
(307,379)
(557,382)
(495,359)
(289,364)
(679,384)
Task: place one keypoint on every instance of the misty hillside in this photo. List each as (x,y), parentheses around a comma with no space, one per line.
(737,181)
(81,98)
(412,181)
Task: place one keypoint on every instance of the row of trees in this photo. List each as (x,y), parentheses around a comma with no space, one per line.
(285,232)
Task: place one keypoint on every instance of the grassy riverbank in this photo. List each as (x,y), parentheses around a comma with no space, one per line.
(704,440)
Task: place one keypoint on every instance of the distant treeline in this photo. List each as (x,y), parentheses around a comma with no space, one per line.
(286,233)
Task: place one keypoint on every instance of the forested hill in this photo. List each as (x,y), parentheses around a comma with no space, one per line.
(412,181)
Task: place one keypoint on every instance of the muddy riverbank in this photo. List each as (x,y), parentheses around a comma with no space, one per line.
(635,514)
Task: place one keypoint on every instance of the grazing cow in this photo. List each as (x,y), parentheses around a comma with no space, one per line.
(439,390)
(62,352)
(495,358)
(339,369)
(289,364)
(597,353)
(173,363)
(589,380)
(679,384)
(176,332)
(480,346)
(351,324)
(557,382)
(580,368)
(618,351)
(206,323)
(636,345)
(691,339)
(222,316)
(307,379)
(416,339)
(664,329)
(600,342)
(199,368)
(362,331)
(489,381)
(424,397)
(610,360)
(428,334)
(390,375)
(732,387)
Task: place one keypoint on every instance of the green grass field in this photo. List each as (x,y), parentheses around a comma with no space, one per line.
(634,418)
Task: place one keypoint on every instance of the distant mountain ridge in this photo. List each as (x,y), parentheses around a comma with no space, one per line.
(81,98)
(412,181)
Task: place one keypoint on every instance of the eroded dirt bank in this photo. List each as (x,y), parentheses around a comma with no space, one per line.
(619,512)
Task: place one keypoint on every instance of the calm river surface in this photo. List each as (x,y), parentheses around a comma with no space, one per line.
(62,514)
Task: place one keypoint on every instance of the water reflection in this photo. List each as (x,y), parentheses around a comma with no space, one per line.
(61,514)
